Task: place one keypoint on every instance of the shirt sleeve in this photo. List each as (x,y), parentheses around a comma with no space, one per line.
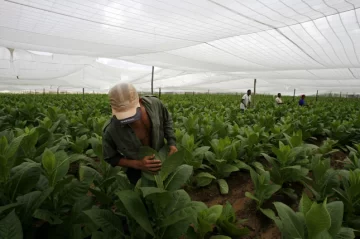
(168,127)
(111,155)
(244,97)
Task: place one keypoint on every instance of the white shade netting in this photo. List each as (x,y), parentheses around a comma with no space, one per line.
(201,45)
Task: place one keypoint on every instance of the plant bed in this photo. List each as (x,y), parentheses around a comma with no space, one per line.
(240,182)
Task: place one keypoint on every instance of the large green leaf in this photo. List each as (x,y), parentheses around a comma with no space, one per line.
(178,178)
(47,216)
(146,191)
(213,213)
(61,168)
(171,164)
(8,206)
(48,161)
(224,187)
(13,147)
(73,191)
(106,220)
(30,202)
(317,219)
(4,171)
(178,215)
(3,145)
(336,212)
(305,204)
(178,229)
(178,199)
(203,179)
(292,225)
(10,227)
(345,233)
(23,179)
(136,209)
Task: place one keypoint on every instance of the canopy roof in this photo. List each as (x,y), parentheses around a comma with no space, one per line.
(196,45)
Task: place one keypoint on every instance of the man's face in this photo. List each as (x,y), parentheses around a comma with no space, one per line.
(249,92)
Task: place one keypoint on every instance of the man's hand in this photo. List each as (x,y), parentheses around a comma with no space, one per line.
(149,164)
(173,150)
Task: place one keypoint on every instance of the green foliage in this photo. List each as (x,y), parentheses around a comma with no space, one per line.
(263,187)
(44,137)
(323,180)
(313,220)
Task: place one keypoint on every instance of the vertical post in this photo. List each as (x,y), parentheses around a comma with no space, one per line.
(83,93)
(294,95)
(253,100)
(340,94)
(152,81)
(159,92)
(317,93)
(57,92)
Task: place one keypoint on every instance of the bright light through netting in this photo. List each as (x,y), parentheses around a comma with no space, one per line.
(200,45)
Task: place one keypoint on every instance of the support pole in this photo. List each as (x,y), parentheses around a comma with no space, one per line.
(152,81)
(294,95)
(159,92)
(253,100)
(340,94)
(83,93)
(317,93)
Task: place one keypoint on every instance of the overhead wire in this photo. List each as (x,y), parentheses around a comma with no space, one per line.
(332,29)
(290,27)
(342,23)
(273,27)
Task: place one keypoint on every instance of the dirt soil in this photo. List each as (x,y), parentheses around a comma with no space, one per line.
(260,226)
(337,159)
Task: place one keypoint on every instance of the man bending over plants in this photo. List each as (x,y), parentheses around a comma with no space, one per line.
(136,122)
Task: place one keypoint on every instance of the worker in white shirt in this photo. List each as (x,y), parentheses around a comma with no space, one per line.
(245,101)
(278,99)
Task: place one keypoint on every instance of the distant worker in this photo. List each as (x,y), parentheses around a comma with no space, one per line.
(245,101)
(278,99)
(136,122)
(302,100)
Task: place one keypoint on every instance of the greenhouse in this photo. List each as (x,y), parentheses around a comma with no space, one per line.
(188,119)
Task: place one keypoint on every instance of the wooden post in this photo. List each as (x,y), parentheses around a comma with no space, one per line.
(152,81)
(159,92)
(317,93)
(294,94)
(253,100)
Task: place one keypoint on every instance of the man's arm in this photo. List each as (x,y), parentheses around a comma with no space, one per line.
(168,127)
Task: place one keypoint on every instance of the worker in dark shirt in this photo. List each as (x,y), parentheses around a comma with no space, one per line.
(136,123)
(302,101)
